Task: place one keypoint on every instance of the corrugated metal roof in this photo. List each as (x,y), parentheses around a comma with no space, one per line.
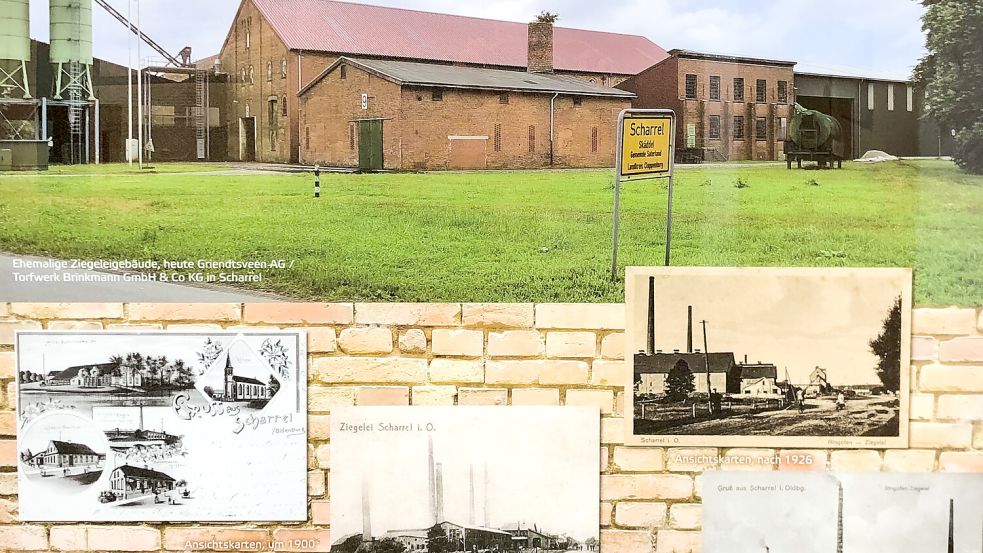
(456,76)
(359,29)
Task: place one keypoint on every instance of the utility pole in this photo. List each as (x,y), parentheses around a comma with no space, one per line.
(706,359)
(139,94)
(129,87)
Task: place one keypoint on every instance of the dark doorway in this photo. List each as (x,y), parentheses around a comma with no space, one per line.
(370,145)
(247,141)
(840,108)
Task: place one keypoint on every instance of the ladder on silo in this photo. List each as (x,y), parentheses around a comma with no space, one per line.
(201,123)
(77,106)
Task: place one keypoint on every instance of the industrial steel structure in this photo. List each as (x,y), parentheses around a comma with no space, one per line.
(24,135)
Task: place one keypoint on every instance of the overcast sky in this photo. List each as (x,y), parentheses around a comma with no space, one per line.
(819,317)
(876,37)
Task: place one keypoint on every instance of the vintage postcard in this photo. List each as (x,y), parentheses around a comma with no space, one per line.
(768,357)
(782,512)
(162,426)
(464,479)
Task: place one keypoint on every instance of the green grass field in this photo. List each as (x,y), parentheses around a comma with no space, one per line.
(500,236)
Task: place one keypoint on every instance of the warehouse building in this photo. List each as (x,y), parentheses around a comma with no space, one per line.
(727,107)
(378,114)
(738,108)
(276,48)
(880,114)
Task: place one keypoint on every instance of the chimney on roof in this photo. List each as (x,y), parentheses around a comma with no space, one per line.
(540,58)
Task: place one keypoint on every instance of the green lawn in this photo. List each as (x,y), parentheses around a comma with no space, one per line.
(522,236)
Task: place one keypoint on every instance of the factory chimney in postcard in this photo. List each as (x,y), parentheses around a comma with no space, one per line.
(689,329)
(439,492)
(366,514)
(952,542)
(650,337)
(471,504)
(431,482)
(485,498)
(839,519)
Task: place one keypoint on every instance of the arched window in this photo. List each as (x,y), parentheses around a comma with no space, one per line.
(252,75)
(283,105)
(269,71)
(283,68)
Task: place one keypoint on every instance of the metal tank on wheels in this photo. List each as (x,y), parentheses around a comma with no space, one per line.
(814,136)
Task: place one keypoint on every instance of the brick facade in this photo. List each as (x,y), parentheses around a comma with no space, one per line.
(282,139)
(251,48)
(498,354)
(665,86)
(505,129)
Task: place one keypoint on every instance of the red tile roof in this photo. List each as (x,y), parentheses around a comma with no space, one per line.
(348,28)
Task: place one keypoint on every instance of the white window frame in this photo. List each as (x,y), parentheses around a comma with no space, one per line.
(911,98)
(890,97)
(870,96)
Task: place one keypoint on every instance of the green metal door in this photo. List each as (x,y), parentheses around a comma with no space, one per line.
(370,145)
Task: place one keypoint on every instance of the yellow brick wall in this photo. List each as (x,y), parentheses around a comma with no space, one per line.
(493,354)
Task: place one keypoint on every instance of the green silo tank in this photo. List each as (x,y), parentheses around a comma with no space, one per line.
(15,30)
(71,31)
(15,47)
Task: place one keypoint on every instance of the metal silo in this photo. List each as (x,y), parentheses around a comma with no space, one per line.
(71,48)
(15,47)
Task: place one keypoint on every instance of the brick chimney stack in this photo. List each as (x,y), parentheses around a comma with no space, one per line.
(540,46)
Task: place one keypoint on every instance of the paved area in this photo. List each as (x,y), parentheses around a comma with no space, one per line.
(73,285)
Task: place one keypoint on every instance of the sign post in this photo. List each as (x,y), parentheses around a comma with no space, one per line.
(646,150)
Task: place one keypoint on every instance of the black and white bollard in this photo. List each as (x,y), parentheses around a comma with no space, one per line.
(317,181)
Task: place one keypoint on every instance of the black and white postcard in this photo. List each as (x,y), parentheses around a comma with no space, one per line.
(442,479)
(782,512)
(768,357)
(162,426)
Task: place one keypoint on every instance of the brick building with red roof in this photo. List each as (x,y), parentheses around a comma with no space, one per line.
(279,52)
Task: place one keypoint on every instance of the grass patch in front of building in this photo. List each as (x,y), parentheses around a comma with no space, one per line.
(512,236)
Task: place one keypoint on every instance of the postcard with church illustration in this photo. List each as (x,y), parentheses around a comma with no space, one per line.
(162,426)
(816,512)
(464,479)
(768,357)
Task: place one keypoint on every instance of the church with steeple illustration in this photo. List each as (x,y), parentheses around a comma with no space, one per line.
(243,388)
(235,387)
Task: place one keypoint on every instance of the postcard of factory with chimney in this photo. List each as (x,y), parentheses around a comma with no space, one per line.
(464,479)
(766,512)
(768,357)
